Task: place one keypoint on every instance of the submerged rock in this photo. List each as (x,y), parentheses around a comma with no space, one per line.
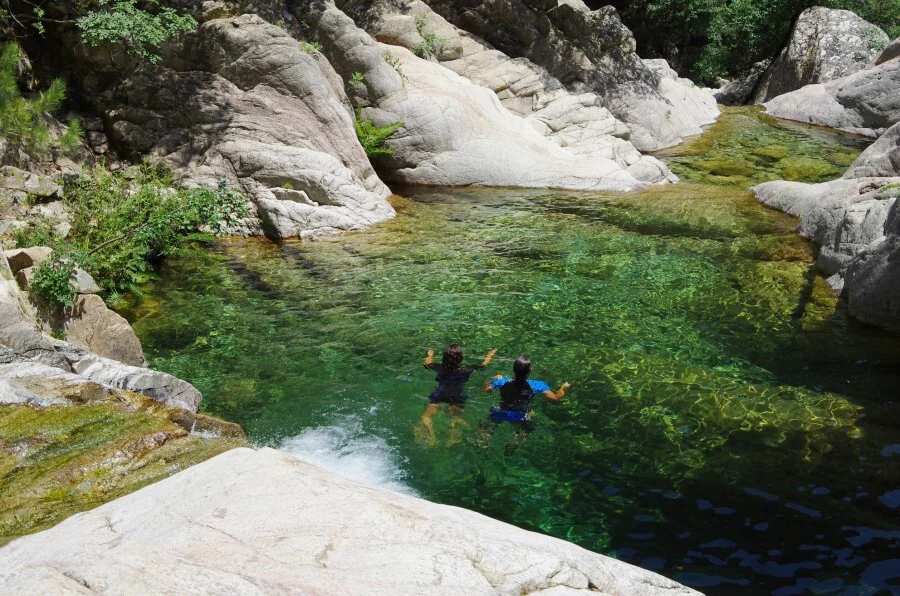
(825,45)
(319,534)
(855,220)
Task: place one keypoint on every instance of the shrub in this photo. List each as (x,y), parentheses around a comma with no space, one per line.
(394,63)
(357,79)
(120,227)
(21,119)
(310,47)
(54,279)
(431,44)
(372,137)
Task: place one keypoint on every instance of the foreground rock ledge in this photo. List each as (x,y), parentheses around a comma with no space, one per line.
(263,522)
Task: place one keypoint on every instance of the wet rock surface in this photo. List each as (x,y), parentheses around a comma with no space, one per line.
(69,444)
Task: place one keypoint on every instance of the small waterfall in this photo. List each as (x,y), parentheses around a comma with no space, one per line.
(347,450)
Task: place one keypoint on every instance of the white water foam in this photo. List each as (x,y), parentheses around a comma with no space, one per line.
(347,450)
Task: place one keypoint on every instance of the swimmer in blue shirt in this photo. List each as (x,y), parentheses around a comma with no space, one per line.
(517,394)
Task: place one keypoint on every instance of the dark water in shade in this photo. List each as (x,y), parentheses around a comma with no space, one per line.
(729,426)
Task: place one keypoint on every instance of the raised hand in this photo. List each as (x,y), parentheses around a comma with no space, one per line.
(488,357)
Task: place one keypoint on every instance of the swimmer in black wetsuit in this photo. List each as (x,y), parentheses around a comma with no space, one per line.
(517,394)
(451,390)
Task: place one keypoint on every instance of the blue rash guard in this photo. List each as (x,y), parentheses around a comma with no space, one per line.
(515,400)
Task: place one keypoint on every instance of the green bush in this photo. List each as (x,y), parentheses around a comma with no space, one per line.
(54,280)
(431,44)
(372,137)
(21,119)
(121,226)
(140,29)
(310,47)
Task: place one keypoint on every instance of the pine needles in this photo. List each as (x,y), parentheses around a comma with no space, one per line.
(22,119)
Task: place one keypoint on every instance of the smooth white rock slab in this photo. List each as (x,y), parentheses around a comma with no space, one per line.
(264,522)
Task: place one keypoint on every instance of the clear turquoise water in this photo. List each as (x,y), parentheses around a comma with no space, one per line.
(729,426)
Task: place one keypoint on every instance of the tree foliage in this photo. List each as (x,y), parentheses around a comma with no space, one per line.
(122,225)
(141,31)
(709,39)
(22,119)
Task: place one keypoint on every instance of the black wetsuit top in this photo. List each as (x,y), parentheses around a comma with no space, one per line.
(516,398)
(451,387)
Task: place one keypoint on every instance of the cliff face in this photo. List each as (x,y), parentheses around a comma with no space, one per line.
(539,94)
(588,51)
(249,521)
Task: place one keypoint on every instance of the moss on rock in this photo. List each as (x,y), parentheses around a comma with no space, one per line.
(64,459)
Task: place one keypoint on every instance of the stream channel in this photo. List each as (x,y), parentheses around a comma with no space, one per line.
(729,426)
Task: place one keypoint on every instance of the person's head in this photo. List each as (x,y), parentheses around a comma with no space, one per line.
(522,368)
(453,357)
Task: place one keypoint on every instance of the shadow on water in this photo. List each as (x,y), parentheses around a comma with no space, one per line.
(730,426)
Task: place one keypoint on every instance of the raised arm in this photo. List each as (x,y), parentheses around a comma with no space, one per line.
(488,357)
(429,359)
(559,393)
(489,386)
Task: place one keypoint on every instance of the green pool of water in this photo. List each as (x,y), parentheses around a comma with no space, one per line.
(728,425)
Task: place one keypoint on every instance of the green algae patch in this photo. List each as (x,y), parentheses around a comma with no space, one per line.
(64,459)
(746,147)
(803,169)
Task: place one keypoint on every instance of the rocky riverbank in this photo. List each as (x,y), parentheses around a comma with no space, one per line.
(271,107)
(250,522)
(854,219)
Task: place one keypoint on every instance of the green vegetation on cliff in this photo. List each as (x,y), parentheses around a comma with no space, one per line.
(22,121)
(138,27)
(373,137)
(123,223)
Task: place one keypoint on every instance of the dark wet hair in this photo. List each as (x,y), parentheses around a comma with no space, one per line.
(453,357)
(522,368)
